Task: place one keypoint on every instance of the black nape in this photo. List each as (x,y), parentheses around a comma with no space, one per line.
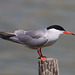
(56,27)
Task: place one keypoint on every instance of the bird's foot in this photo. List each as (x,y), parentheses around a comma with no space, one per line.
(42,57)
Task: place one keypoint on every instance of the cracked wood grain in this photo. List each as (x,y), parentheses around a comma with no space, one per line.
(48,66)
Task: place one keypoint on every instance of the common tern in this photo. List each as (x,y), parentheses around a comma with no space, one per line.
(36,39)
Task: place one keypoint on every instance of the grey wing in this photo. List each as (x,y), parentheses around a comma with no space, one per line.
(33,38)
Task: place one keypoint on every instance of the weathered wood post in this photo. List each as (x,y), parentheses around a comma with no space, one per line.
(48,66)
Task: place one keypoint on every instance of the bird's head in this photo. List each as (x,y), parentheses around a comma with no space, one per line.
(56,29)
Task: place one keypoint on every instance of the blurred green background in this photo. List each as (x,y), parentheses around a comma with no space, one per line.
(15,59)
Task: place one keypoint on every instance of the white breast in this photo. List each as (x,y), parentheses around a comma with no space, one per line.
(52,35)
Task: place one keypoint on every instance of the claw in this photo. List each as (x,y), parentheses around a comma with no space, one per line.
(43,58)
(40,54)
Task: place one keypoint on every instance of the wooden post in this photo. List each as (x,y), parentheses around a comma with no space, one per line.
(48,66)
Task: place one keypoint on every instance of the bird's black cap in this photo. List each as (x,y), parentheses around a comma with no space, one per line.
(56,27)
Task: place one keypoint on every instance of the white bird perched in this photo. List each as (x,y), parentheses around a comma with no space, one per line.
(36,39)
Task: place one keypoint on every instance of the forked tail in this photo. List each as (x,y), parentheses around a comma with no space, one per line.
(6,35)
(10,37)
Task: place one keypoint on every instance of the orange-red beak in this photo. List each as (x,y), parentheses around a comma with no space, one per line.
(67,32)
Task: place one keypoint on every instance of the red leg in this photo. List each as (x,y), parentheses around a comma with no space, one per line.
(40,54)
